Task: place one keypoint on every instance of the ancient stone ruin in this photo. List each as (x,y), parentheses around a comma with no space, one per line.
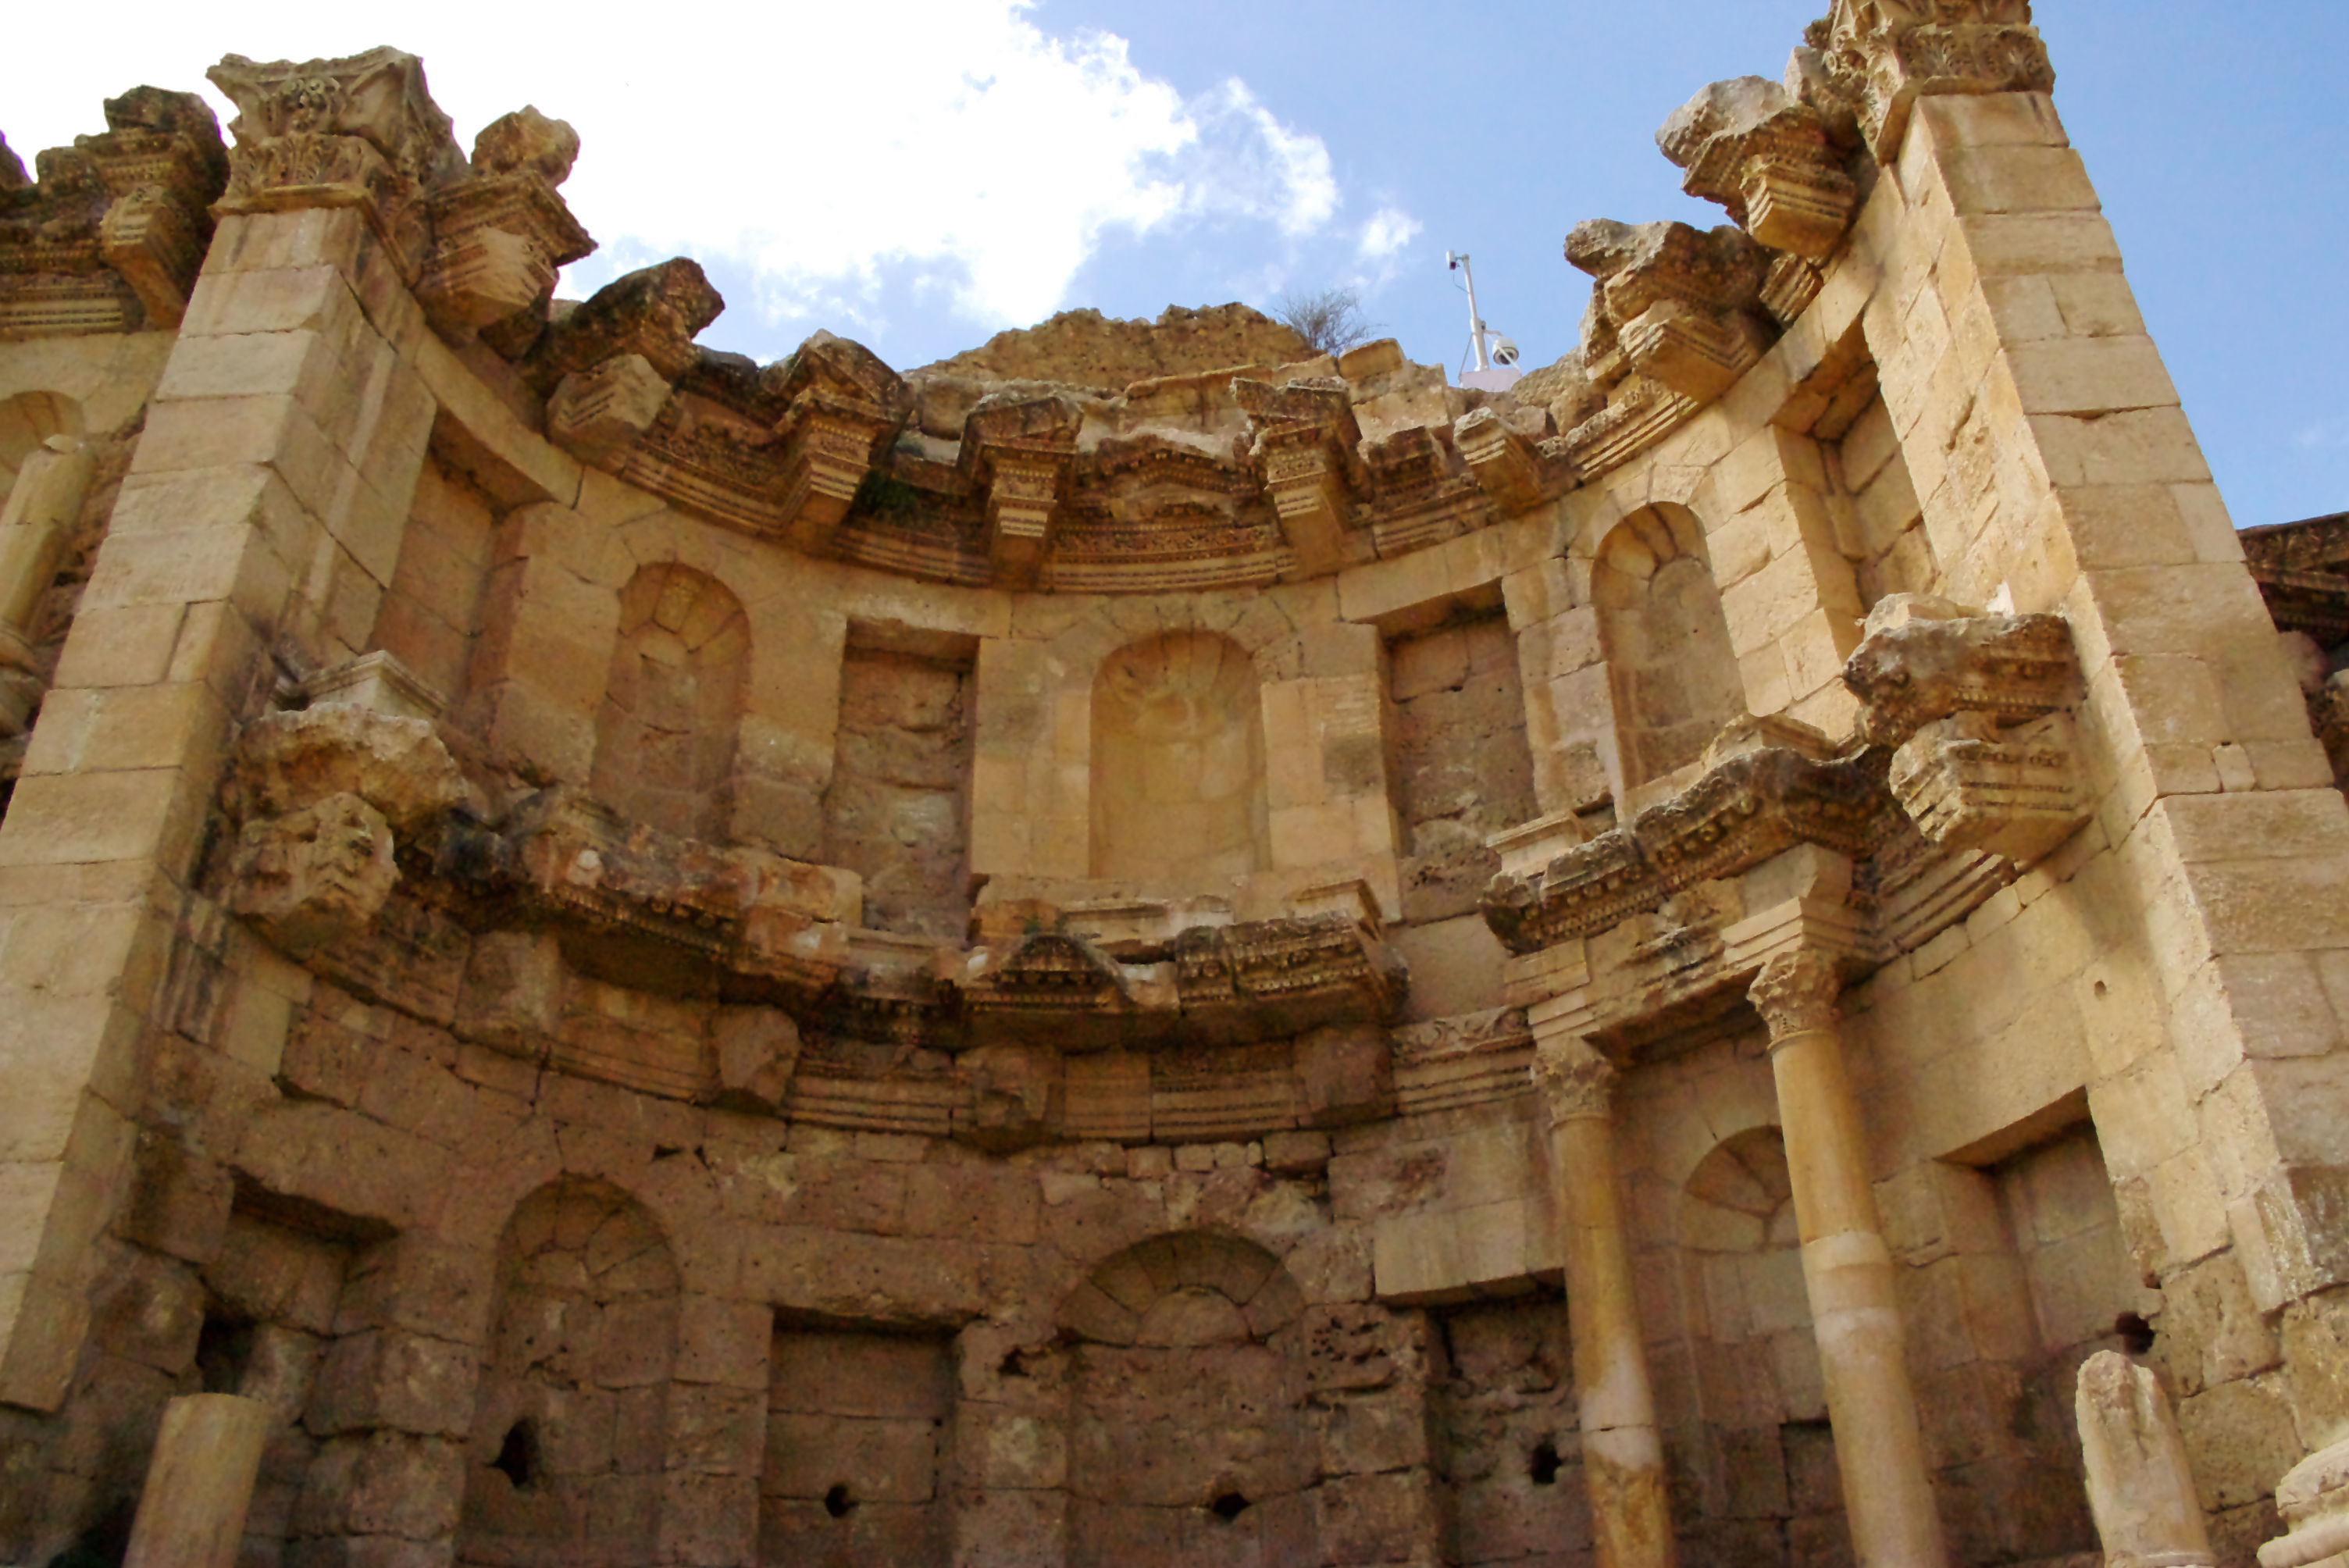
(1138,948)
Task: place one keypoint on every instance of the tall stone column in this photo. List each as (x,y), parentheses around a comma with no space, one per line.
(1847,1270)
(1622,1456)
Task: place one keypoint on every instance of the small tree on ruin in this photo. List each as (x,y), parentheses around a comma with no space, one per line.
(1330,320)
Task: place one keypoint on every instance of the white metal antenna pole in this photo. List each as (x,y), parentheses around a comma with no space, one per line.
(1475,321)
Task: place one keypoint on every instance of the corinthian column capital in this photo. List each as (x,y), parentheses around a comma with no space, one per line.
(1796,994)
(1574,1080)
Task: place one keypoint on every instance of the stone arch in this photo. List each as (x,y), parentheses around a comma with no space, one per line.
(666,733)
(1177,771)
(1671,668)
(1189,1428)
(1138,1297)
(568,1452)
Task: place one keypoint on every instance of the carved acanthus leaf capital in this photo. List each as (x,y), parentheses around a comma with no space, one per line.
(1877,57)
(1796,994)
(1574,1078)
(361,131)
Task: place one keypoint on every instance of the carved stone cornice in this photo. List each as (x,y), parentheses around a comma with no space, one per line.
(1576,1080)
(1676,318)
(110,237)
(502,234)
(1740,813)
(653,312)
(1876,58)
(1750,146)
(1978,710)
(1796,993)
(1924,659)
(361,131)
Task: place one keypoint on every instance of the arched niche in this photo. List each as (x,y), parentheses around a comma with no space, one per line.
(1189,1436)
(568,1453)
(1674,677)
(665,736)
(1177,781)
(1761,1398)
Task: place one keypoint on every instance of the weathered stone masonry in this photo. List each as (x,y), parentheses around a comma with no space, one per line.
(1137,947)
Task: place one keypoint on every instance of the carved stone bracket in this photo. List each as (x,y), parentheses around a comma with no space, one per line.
(1306,437)
(500,235)
(610,364)
(1019,454)
(110,237)
(1519,470)
(325,798)
(842,405)
(1765,155)
(1875,59)
(1978,710)
(361,131)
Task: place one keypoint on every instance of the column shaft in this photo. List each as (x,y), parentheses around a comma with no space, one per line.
(1622,1455)
(199,1484)
(1847,1270)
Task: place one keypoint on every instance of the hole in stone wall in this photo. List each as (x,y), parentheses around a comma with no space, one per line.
(517,1458)
(223,1353)
(837,1502)
(1544,1463)
(2136,1334)
(1013,1365)
(1228,1506)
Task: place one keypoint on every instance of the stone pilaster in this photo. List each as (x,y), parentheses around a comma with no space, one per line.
(265,507)
(1847,1270)
(1622,1454)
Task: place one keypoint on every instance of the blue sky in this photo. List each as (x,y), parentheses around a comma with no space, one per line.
(920,176)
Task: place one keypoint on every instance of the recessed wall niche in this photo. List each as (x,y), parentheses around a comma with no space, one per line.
(1177,777)
(897,812)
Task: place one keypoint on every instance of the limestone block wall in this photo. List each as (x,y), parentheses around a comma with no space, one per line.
(580,1219)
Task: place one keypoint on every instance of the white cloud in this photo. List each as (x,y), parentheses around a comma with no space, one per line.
(950,141)
(2327,435)
(1388,231)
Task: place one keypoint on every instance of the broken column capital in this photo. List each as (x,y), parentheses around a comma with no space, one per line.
(500,234)
(361,131)
(2140,1489)
(1756,150)
(2313,1498)
(1879,56)
(1795,993)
